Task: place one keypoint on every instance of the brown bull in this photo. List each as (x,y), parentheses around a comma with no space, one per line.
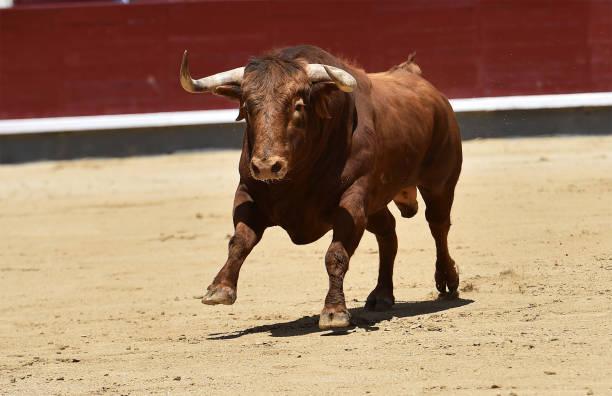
(327,147)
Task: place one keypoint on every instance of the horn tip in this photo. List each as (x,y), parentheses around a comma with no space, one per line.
(348,84)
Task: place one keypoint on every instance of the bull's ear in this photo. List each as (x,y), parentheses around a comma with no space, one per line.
(319,96)
(241,112)
(233,92)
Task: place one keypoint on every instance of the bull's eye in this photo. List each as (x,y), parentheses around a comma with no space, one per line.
(299,114)
(299,105)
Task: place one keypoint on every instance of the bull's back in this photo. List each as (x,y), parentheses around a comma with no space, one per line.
(414,123)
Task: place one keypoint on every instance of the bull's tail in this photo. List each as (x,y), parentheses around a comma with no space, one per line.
(409,65)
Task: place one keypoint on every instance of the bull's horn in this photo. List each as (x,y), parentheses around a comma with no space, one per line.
(209,83)
(344,81)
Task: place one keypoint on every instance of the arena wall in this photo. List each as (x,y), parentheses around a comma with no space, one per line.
(99,58)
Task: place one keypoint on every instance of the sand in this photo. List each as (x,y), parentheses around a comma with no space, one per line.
(100,261)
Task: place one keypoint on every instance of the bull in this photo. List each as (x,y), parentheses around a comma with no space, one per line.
(327,147)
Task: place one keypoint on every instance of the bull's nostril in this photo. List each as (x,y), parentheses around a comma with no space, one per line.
(255,169)
(276,167)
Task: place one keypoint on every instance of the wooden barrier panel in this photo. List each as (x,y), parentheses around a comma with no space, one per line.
(109,58)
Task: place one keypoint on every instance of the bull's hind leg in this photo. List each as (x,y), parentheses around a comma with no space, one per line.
(382,224)
(438,206)
(406,201)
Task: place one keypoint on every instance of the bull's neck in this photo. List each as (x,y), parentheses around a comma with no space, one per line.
(331,154)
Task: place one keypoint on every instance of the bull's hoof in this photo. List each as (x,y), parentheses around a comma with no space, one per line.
(447,278)
(380,300)
(220,295)
(333,319)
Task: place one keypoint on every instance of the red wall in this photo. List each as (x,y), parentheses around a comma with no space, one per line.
(107,58)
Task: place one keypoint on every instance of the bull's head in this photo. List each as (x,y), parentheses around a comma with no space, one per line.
(282,101)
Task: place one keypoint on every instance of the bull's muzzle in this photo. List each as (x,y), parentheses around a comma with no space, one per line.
(271,168)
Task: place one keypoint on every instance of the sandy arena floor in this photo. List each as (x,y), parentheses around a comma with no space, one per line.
(100,260)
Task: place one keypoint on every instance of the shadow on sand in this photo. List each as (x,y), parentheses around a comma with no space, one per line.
(359,318)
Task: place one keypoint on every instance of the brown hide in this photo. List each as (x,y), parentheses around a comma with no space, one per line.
(393,133)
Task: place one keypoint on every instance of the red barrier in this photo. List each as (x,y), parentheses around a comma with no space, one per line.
(102,58)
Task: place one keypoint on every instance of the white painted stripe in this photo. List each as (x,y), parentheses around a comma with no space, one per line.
(530,102)
(203,117)
(118,121)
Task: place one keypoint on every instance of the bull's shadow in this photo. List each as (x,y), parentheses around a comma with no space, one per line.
(359,318)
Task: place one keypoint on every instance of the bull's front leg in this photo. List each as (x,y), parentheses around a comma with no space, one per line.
(249,225)
(349,224)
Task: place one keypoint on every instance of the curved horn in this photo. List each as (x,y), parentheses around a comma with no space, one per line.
(344,81)
(209,83)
